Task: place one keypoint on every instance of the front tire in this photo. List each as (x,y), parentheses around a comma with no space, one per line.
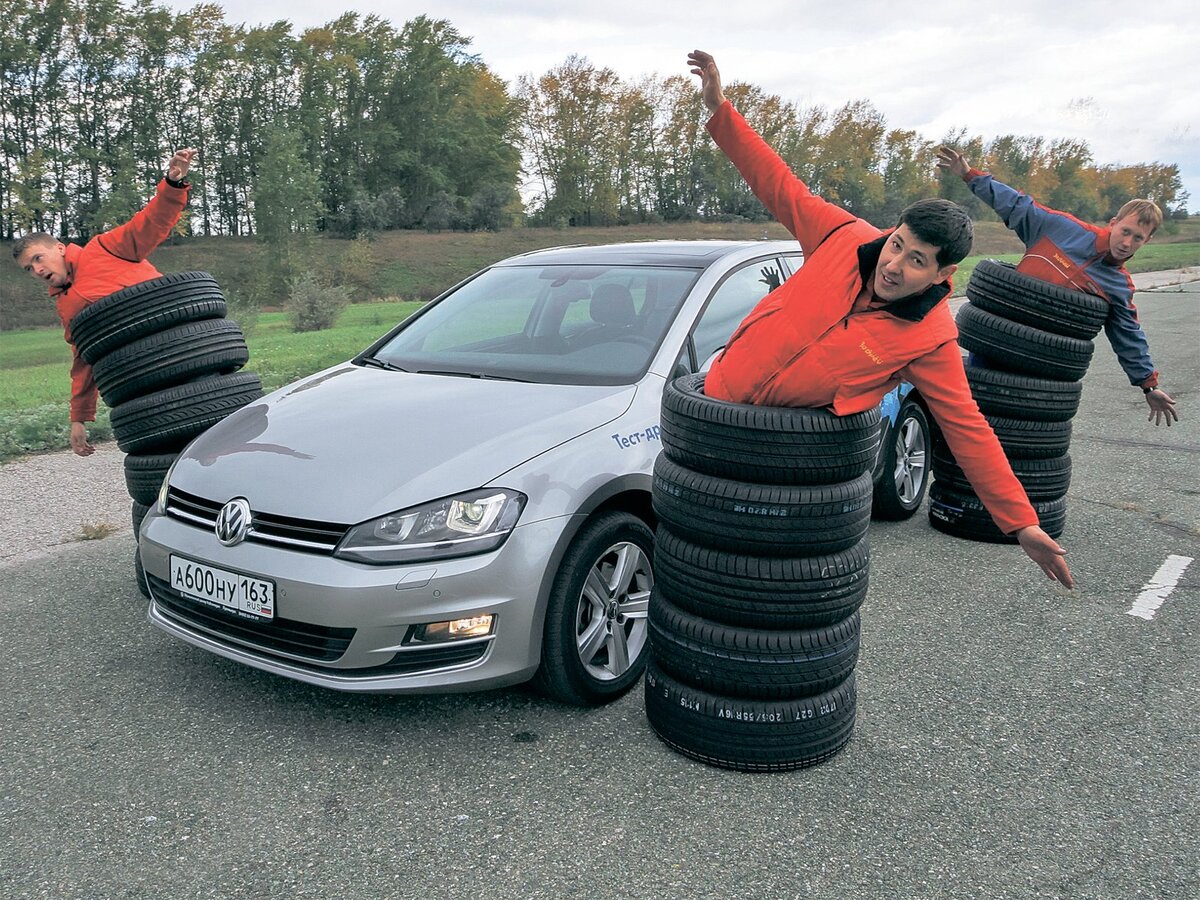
(901,489)
(595,643)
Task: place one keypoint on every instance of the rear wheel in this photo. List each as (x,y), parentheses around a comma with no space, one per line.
(901,488)
(594,647)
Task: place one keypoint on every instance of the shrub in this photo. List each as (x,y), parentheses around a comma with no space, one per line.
(356,270)
(243,308)
(312,306)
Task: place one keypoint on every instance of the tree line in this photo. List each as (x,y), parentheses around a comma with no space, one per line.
(360,125)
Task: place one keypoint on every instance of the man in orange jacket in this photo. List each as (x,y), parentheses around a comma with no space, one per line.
(78,276)
(866,310)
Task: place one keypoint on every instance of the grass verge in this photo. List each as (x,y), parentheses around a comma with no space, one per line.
(34,362)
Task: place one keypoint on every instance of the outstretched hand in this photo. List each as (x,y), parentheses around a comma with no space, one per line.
(705,66)
(177,168)
(953,161)
(1162,407)
(1046,552)
(79,440)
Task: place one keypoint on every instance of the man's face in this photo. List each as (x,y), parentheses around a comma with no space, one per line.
(46,262)
(1127,238)
(907,266)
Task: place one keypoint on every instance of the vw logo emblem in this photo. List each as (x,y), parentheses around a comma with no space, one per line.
(233,521)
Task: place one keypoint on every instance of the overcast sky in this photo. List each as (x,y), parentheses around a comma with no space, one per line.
(1121,76)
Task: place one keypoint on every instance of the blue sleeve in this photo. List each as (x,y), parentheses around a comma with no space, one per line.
(1124,332)
(1018,210)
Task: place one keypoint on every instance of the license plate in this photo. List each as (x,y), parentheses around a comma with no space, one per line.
(244,594)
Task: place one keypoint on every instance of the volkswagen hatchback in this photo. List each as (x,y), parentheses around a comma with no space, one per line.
(466,504)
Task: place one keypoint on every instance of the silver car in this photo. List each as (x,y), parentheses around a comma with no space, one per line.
(466,504)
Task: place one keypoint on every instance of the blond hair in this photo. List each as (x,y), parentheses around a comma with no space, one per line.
(1147,213)
(38,237)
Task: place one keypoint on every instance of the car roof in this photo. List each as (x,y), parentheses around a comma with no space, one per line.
(686,254)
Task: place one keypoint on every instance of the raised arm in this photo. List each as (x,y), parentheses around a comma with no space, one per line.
(705,66)
(179,164)
(1019,211)
(809,218)
(137,238)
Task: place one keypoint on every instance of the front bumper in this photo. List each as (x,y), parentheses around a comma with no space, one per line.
(348,626)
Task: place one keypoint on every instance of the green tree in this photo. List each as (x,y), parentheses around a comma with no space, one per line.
(1070,163)
(570,118)
(851,160)
(286,208)
(908,173)
(466,133)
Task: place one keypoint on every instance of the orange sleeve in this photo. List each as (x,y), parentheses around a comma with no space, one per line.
(83,390)
(150,226)
(942,381)
(809,218)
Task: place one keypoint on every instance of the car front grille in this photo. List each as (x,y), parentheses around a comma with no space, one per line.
(304,535)
(295,642)
(315,642)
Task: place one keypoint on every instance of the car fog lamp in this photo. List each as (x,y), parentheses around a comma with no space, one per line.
(455,629)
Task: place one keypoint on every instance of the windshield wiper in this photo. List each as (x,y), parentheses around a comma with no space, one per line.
(481,375)
(376,363)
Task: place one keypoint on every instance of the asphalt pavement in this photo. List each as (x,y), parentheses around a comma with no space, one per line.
(1014,740)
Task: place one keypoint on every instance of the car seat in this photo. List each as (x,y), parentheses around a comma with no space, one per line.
(612,309)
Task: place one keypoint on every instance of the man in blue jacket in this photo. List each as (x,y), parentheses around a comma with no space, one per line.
(1062,250)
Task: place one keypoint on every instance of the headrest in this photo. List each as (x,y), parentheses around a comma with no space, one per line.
(612,304)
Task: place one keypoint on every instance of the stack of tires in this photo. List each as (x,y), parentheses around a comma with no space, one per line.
(166,361)
(1031,343)
(761,565)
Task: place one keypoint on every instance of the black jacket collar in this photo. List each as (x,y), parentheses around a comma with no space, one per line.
(914,307)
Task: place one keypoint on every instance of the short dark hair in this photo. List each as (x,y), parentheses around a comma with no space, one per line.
(942,223)
(24,243)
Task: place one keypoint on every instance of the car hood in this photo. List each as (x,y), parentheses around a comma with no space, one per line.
(351,443)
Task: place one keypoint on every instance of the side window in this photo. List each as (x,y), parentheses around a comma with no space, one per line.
(732,302)
(792,262)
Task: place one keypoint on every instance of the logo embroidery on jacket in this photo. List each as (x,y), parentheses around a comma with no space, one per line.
(867,350)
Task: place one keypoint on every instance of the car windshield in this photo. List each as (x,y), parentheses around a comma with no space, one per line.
(590,324)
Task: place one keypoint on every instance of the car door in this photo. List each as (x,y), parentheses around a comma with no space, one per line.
(730,302)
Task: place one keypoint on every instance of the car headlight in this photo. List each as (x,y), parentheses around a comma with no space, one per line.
(161,503)
(469,523)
